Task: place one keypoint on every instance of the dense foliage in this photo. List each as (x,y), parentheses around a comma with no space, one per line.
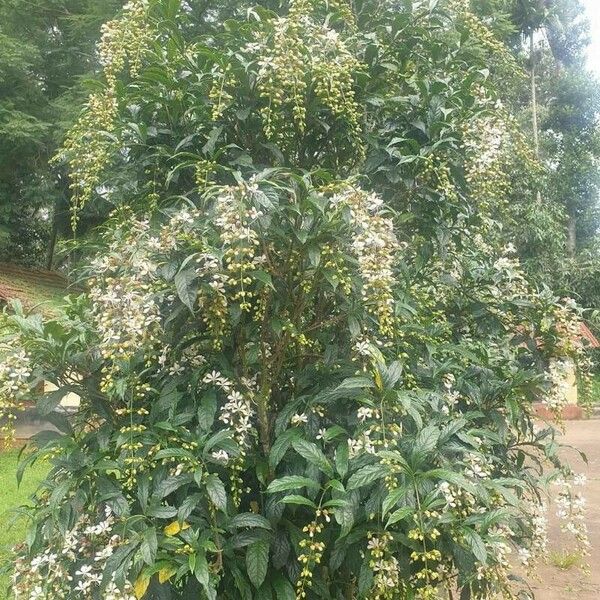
(307,355)
(559,233)
(46,47)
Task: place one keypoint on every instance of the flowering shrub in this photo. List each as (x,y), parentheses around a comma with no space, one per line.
(307,356)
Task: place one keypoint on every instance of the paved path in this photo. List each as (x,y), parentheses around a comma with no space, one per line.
(553,582)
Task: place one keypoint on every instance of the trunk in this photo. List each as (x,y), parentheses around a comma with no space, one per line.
(60,219)
(534,109)
(572,236)
(53,237)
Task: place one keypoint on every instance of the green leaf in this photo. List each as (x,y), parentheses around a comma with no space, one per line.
(201,568)
(366,476)
(216,491)
(295,499)
(207,410)
(48,402)
(213,136)
(249,520)
(314,455)
(281,446)
(173,453)
(451,477)
(257,562)
(476,545)
(284,590)
(161,512)
(365,580)
(186,288)
(344,516)
(333,432)
(149,546)
(342,453)
(292,482)
(392,499)
(392,374)
(334,504)
(264,277)
(355,383)
(314,255)
(427,439)
(400,514)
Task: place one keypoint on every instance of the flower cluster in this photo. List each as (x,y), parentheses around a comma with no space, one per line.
(123,293)
(385,567)
(538,541)
(558,377)
(76,562)
(486,141)
(450,396)
(126,291)
(223,80)
(15,374)
(312,552)
(238,415)
(88,146)
(235,218)
(457,499)
(299,53)
(375,246)
(124,41)
(214,299)
(497,51)
(570,509)
(496,573)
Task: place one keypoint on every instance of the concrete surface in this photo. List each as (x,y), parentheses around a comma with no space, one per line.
(555,583)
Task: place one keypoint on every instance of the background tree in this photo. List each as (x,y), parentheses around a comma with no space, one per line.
(46,47)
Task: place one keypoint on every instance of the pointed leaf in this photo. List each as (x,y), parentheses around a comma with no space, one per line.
(257,562)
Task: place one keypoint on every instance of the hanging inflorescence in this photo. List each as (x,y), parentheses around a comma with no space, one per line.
(299,56)
(236,219)
(375,246)
(91,143)
(15,376)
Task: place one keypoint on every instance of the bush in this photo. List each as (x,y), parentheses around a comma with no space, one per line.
(306,355)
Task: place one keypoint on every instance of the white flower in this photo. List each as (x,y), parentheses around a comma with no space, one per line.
(362,348)
(220,456)
(212,377)
(299,419)
(104,554)
(84,570)
(524,556)
(364,413)
(37,593)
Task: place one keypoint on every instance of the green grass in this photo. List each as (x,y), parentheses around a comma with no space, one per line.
(12,527)
(565,559)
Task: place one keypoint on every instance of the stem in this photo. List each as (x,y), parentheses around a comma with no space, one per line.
(262,411)
(350,590)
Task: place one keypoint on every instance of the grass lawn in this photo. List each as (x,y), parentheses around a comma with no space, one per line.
(12,528)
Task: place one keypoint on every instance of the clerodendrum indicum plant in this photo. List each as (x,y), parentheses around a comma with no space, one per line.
(306,355)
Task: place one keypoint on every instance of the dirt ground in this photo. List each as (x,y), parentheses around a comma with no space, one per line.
(554,582)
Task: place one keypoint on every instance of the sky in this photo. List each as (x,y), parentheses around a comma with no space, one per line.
(593,11)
